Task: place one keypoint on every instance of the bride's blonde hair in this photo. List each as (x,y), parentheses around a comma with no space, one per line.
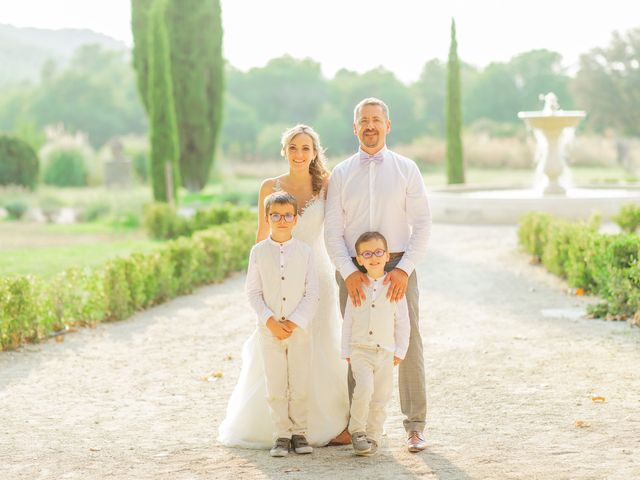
(318,166)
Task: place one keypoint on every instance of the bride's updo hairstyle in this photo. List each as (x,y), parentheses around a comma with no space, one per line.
(318,166)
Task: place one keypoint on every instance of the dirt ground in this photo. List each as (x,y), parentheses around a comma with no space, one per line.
(520,385)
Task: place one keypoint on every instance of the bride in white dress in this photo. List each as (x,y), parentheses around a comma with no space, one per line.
(248,422)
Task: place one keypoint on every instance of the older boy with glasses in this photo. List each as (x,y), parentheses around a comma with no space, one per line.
(375,338)
(282,287)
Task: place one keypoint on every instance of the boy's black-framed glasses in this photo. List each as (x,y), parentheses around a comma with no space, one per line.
(377,252)
(288,217)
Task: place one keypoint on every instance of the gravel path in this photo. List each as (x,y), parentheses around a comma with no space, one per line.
(512,370)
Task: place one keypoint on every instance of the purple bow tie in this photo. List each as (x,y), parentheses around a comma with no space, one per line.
(366,159)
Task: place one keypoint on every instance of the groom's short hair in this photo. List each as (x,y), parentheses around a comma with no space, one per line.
(281,198)
(366,236)
(370,101)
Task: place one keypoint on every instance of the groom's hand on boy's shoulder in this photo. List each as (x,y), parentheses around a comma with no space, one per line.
(399,280)
(354,287)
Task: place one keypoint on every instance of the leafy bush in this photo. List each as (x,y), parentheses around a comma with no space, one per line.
(30,309)
(95,211)
(628,219)
(25,315)
(140,160)
(18,163)
(66,168)
(606,265)
(162,221)
(16,209)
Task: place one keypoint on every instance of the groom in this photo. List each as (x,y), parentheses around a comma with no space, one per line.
(379,190)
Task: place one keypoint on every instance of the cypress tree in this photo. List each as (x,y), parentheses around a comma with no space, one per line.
(453,114)
(140,18)
(197,65)
(162,119)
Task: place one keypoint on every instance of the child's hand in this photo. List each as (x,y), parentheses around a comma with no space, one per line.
(396,360)
(279,330)
(291,325)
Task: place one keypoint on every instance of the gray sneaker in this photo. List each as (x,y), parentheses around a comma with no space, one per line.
(280,448)
(374,447)
(360,444)
(300,444)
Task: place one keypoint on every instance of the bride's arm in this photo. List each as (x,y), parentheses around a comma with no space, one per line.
(263,227)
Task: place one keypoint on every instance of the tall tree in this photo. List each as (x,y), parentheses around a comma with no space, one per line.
(453,114)
(140,24)
(163,136)
(197,66)
(607,84)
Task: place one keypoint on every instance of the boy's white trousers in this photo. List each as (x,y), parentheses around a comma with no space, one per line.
(286,367)
(373,373)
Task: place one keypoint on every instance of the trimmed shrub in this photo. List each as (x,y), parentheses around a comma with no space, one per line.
(66,168)
(77,297)
(95,211)
(628,219)
(140,161)
(16,209)
(25,313)
(116,290)
(18,163)
(606,265)
(162,221)
(31,310)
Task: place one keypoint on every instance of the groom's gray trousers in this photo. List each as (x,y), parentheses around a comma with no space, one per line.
(411,379)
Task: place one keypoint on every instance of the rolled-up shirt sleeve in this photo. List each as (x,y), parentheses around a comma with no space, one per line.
(419,218)
(306,309)
(253,289)
(334,224)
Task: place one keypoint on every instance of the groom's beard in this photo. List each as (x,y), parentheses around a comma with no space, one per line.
(371,140)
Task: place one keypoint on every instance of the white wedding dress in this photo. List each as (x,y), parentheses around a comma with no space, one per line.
(248,422)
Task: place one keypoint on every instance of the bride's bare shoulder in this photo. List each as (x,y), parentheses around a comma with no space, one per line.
(268,185)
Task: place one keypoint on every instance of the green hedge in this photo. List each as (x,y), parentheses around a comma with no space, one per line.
(162,221)
(66,168)
(604,265)
(31,309)
(629,218)
(19,163)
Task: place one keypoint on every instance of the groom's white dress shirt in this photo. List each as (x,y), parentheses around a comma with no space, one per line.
(282,282)
(388,197)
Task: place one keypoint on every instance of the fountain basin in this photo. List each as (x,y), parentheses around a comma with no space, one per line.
(505,205)
(558,120)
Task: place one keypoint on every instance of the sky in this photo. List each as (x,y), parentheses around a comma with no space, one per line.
(400,35)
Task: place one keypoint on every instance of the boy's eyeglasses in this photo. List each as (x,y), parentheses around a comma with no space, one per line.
(368,253)
(288,217)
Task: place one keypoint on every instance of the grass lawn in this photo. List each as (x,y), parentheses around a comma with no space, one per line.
(46,249)
(46,261)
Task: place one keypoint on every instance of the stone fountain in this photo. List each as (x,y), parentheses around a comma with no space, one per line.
(550,124)
(505,205)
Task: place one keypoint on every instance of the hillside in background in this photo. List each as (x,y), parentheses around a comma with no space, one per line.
(24,51)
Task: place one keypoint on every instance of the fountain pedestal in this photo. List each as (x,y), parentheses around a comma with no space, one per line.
(551,122)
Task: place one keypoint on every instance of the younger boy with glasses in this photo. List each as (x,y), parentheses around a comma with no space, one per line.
(282,287)
(375,338)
